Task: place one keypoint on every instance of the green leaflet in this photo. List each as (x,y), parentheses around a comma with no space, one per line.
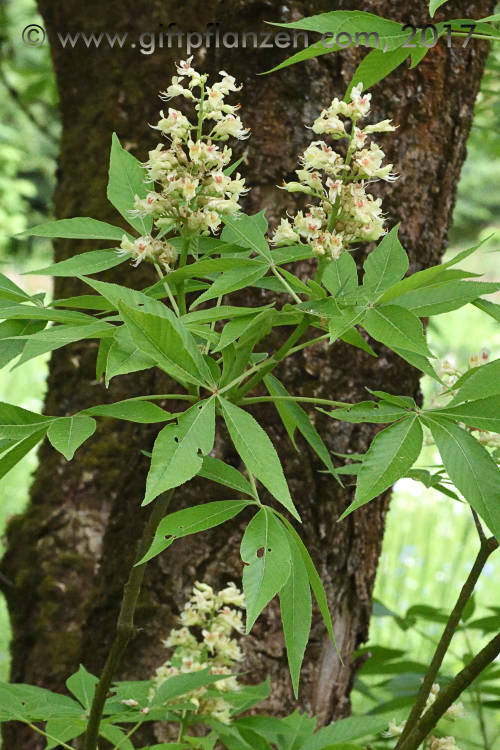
(266,552)
(396,327)
(82,685)
(30,312)
(19,451)
(368,411)
(181,684)
(10,291)
(391,454)
(168,342)
(82,264)
(131,410)
(66,434)
(443,297)
(248,231)
(430,275)
(18,423)
(225,474)
(314,580)
(80,228)
(176,453)
(341,275)
(434,5)
(191,521)
(345,730)
(483,382)
(34,703)
(484,413)
(257,452)
(377,64)
(231,281)
(386,265)
(59,336)
(127,178)
(296,613)
(470,467)
(125,356)
(294,417)
(63,730)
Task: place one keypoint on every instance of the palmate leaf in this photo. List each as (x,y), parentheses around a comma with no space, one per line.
(17,423)
(470,467)
(168,342)
(386,265)
(266,552)
(191,521)
(19,451)
(66,434)
(257,452)
(296,613)
(179,449)
(127,178)
(391,454)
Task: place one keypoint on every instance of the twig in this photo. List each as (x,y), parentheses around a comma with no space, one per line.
(487,547)
(450,694)
(125,628)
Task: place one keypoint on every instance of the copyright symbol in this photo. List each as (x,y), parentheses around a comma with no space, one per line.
(33,35)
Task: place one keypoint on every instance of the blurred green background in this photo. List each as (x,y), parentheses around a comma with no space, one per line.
(430,542)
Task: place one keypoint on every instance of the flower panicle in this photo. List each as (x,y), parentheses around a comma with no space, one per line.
(214,615)
(345,213)
(191,192)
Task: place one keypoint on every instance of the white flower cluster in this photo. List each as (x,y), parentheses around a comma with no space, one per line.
(443,743)
(456,710)
(191,193)
(215,616)
(345,212)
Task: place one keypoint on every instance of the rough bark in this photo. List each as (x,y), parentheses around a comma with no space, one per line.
(68,554)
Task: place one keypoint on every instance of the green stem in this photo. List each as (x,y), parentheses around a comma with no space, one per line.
(125,628)
(271,363)
(299,399)
(286,285)
(487,547)
(181,295)
(47,736)
(129,734)
(167,289)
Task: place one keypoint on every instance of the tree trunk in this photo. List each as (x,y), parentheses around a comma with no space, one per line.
(69,553)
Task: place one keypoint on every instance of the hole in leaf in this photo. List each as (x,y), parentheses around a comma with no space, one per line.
(260,552)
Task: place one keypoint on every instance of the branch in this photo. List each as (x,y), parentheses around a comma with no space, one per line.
(487,547)
(125,628)
(450,694)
